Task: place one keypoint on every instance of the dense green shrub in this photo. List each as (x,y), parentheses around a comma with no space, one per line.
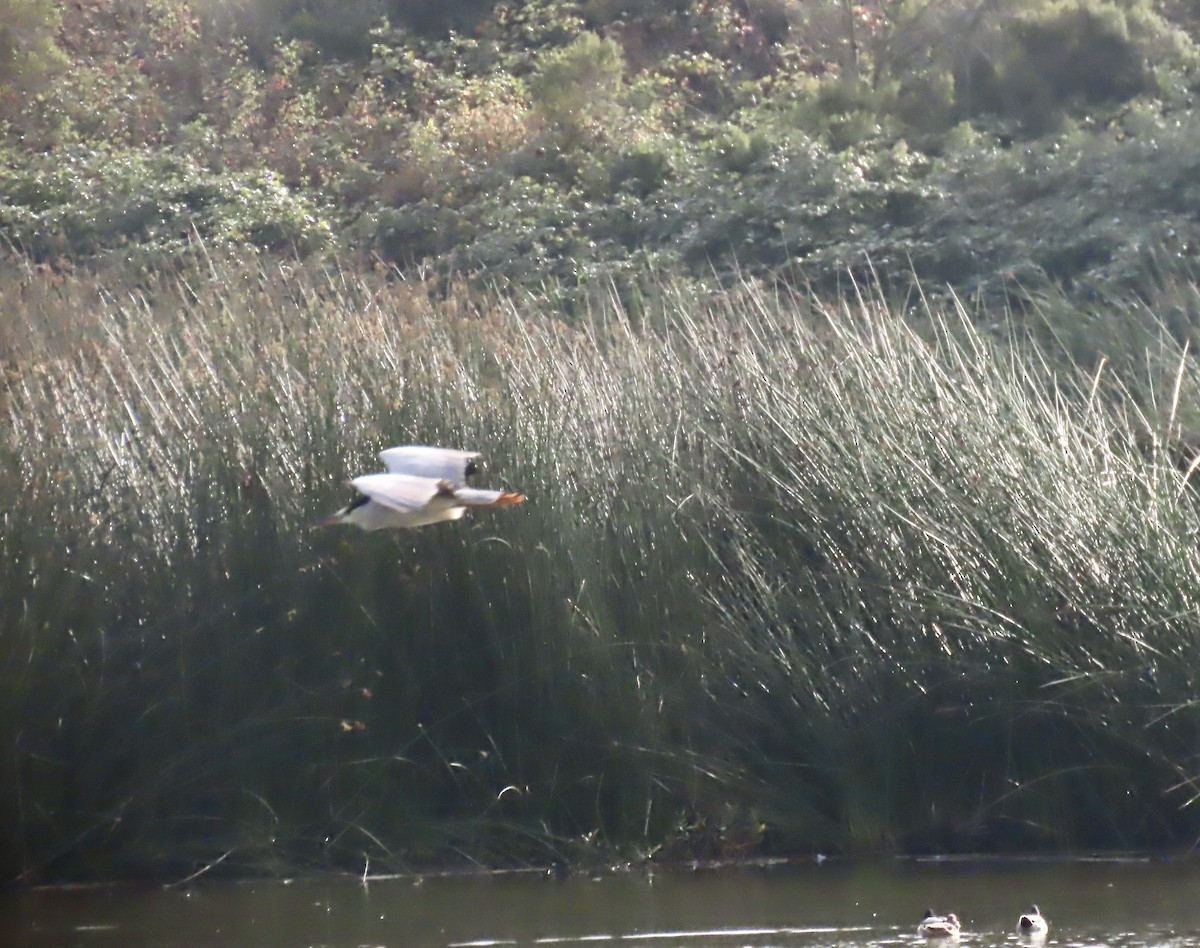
(27,49)
(784,139)
(1068,57)
(146,206)
(338,28)
(578,83)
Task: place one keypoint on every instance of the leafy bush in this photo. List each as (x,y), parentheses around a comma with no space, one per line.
(860,137)
(27,49)
(578,83)
(1068,56)
(147,206)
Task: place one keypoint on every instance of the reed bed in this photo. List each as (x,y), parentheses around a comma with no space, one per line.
(793,575)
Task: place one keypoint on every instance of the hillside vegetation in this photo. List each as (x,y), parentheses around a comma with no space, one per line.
(997,148)
(844,352)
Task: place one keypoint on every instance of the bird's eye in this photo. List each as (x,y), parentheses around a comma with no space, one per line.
(472,468)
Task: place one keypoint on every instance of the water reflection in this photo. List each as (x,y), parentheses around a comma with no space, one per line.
(1090,904)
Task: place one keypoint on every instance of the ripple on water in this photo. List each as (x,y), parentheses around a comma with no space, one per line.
(862,936)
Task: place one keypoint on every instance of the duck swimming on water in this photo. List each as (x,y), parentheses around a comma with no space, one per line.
(422,485)
(938,926)
(1032,923)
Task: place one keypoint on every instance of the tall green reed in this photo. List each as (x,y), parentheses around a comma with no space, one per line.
(964,578)
(271,689)
(871,580)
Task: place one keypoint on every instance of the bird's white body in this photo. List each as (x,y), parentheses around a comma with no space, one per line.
(1032,924)
(939,926)
(422,485)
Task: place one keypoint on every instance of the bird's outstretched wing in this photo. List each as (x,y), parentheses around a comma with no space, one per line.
(404,492)
(440,464)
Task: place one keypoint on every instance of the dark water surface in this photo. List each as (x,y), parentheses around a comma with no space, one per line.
(1089,903)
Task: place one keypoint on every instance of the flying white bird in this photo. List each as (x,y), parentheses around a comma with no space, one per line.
(422,485)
